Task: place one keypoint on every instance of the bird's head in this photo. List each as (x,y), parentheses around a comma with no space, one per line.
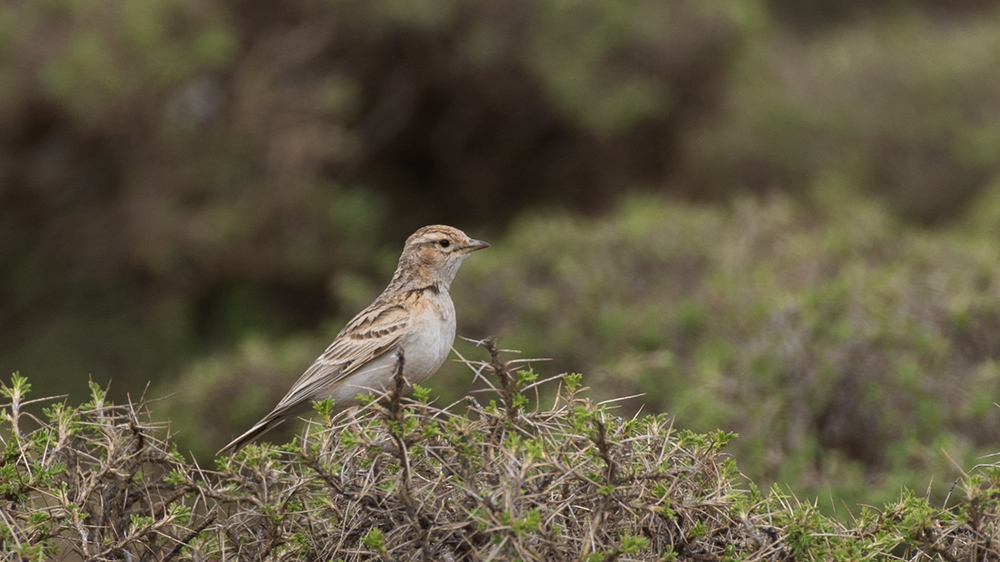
(434,253)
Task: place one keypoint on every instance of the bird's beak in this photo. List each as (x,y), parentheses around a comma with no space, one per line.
(474,245)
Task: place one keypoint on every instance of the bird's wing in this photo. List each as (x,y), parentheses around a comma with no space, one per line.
(373,332)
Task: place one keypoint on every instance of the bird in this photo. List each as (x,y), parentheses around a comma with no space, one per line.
(414,316)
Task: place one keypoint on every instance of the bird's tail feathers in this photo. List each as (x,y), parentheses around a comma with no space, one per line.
(269,422)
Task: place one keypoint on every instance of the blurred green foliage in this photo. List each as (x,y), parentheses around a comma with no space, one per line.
(904,108)
(176,176)
(201,192)
(847,348)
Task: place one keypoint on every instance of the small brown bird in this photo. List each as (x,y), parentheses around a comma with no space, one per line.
(414,314)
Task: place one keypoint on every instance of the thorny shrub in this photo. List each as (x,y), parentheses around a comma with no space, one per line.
(403,479)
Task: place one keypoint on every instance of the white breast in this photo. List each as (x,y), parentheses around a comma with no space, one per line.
(427,345)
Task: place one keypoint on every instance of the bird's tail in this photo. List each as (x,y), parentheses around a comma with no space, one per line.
(269,422)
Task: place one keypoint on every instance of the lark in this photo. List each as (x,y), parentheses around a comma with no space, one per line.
(414,315)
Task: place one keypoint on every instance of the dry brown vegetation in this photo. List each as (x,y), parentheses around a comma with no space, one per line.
(406,480)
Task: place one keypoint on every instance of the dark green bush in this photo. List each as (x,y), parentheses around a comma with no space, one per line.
(849,350)
(178,175)
(901,107)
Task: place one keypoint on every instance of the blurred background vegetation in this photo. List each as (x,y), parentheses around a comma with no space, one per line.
(778,217)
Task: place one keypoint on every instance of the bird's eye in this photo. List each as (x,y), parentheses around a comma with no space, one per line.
(445,243)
